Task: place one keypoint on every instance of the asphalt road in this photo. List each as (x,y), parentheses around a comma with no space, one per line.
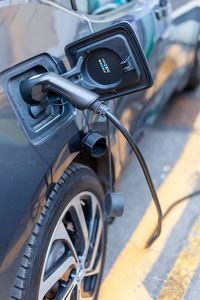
(170,269)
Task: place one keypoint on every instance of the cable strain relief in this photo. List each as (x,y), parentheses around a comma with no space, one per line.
(99,107)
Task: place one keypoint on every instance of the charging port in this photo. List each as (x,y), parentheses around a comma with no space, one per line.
(44,119)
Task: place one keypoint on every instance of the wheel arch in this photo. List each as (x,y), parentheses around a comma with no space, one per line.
(98,165)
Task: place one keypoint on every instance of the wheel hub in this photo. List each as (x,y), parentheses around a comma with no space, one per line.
(79,274)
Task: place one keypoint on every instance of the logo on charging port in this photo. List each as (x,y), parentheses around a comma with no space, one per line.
(104,66)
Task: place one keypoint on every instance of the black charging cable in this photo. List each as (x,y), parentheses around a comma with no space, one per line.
(144,167)
(100,108)
(109,158)
(192,195)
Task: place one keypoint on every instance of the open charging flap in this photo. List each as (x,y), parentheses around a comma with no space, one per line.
(110,62)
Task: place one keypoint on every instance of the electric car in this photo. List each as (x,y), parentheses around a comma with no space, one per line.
(52,224)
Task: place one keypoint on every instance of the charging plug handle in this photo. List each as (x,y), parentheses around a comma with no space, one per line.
(34,90)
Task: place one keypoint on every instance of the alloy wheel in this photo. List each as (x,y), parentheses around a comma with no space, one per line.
(74,256)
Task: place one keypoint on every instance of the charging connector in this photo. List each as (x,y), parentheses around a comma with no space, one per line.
(34,90)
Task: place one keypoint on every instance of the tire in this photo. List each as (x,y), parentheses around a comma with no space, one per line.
(195,73)
(65,254)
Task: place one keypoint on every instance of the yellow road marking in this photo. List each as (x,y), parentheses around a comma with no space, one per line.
(180,276)
(196,124)
(125,279)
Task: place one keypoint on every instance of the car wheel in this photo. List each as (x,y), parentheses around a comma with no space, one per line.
(195,73)
(65,254)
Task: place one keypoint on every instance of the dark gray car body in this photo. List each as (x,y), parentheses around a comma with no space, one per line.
(29,167)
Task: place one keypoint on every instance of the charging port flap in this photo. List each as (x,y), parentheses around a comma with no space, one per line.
(110,62)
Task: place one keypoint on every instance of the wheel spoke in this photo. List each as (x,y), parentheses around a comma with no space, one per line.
(87,298)
(79,296)
(61,233)
(66,292)
(78,292)
(47,284)
(94,210)
(82,221)
(92,223)
(95,270)
(96,245)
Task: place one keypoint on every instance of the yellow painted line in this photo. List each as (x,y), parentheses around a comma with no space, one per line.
(125,279)
(180,276)
(196,124)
